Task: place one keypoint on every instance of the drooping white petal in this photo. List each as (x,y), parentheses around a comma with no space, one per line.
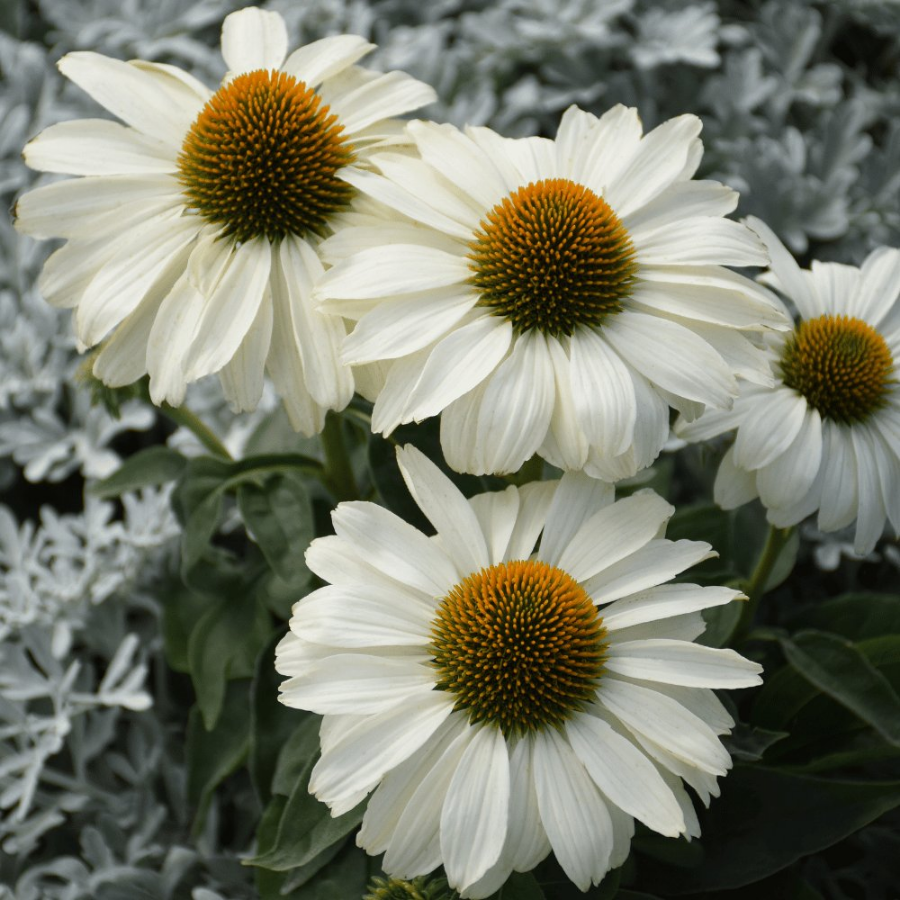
(603,392)
(527,842)
(613,533)
(446,509)
(768,427)
(870,512)
(681,662)
(672,357)
(734,486)
(231,308)
(666,722)
(624,774)
(572,812)
(476,812)
(242,377)
(786,480)
(253,39)
(565,444)
(840,494)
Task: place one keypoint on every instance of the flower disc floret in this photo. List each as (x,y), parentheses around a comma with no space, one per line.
(553,256)
(521,646)
(840,364)
(262,157)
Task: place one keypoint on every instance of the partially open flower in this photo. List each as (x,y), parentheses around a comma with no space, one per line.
(502,701)
(826,435)
(193,234)
(551,297)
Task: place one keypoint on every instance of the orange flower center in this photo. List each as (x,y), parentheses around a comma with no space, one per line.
(520,645)
(841,365)
(261,159)
(552,256)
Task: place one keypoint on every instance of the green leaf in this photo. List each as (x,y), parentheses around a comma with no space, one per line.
(837,668)
(857,616)
(223,646)
(721,622)
(708,523)
(298,755)
(146,468)
(784,694)
(272,723)
(182,608)
(768,819)
(279,517)
(214,755)
(749,743)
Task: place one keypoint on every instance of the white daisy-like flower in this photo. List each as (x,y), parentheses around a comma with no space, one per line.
(826,435)
(502,702)
(193,233)
(550,297)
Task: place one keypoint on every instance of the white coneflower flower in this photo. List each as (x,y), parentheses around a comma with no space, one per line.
(826,435)
(193,234)
(550,297)
(502,702)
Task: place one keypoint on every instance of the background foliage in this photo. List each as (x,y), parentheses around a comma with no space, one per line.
(142,750)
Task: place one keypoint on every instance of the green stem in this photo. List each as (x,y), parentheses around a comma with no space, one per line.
(532,470)
(339,477)
(776,540)
(182,416)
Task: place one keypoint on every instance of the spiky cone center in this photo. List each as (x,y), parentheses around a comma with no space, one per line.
(520,645)
(841,365)
(261,159)
(553,256)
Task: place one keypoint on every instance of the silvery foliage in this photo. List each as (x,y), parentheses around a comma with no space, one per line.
(86,750)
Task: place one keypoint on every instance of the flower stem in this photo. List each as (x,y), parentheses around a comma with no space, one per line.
(182,416)
(338,477)
(776,540)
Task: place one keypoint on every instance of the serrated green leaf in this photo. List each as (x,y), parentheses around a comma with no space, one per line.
(838,668)
(146,468)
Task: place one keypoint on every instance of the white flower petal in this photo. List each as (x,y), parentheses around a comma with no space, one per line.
(603,393)
(357,684)
(391,400)
(457,364)
(871,512)
(666,722)
(652,564)
(517,405)
(253,39)
(162,109)
(768,428)
(659,160)
(840,495)
(565,444)
(683,199)
(672,357)
(624,774)
(662,602)
(786,480)
(231,309)
(572,812)
(534,504)
(835,284)
(317,336)
(446,508)
(395,548)
(701,240)
(683,663)
(879,285)
(377,743)
(577,499)
(407,324)
(527,842)
(97,147)
(314,63)
(612,144)
(242,377)
(476,812)
(734,486)
(613,533)
(497,513)
(394,269)
(391,94)
(791,280)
